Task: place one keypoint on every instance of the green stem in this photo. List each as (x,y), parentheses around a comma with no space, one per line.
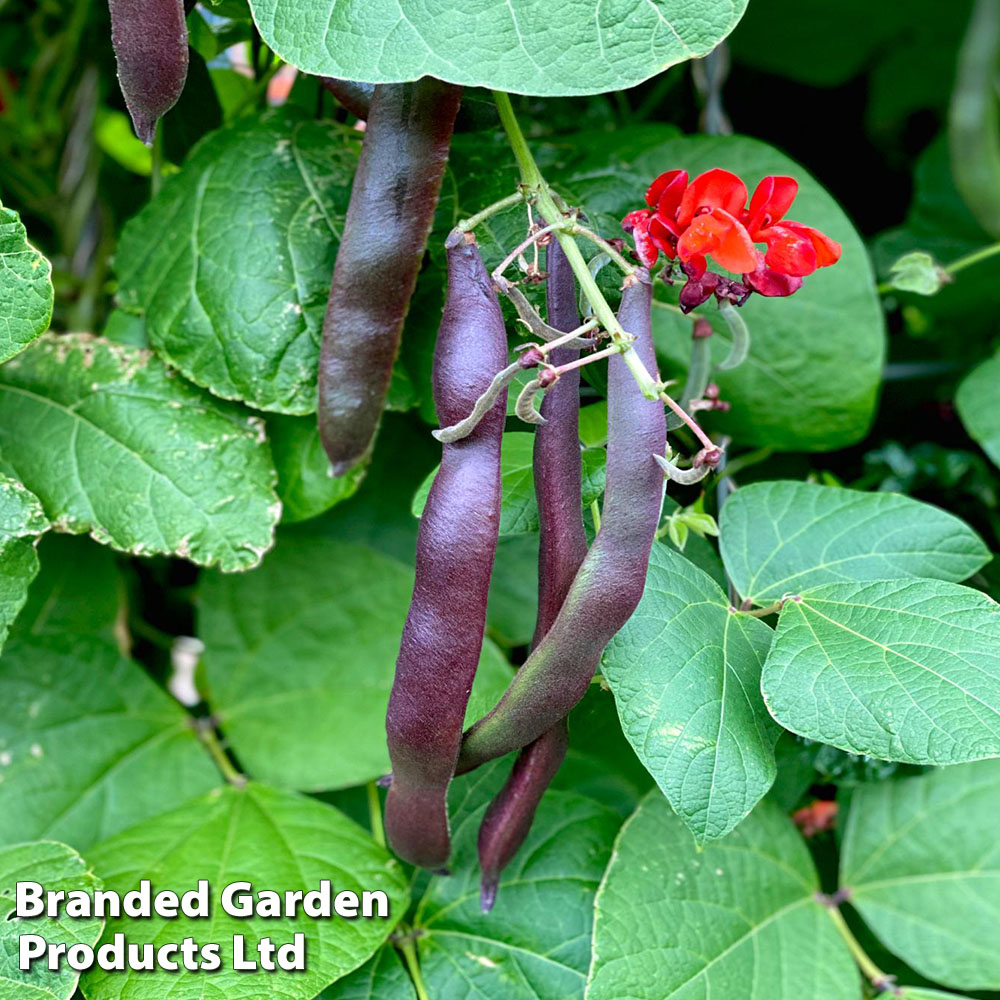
(595,513)
(624,266)
(967,260)
(375,815)
(156,171)
(467,225)
(771,609)
(406,946)
(973,258)
(532,178)
(870,970)
(211,743)
(736,465)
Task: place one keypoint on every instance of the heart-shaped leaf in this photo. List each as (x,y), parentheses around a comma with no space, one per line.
(89,744)
(382,977)
(685,672)
(133,455)
(231,262)
(900,670)
(273,839)
(25,287)
(779,538)
(574,47)
(922,863)
(56,867)
(976,402)
(535,943)
(301,684)
(736,919)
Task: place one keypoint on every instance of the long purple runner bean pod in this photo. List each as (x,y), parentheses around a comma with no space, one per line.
(609,584)
(389,217)
(562,548)
(150,40)
(456,544)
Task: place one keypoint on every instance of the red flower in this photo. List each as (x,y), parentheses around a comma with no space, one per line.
(709,218)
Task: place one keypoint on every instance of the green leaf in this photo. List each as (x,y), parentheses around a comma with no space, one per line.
(600,763)
(535,943)
(305,486)
(912,994)
(89,744)
(382,977)
(523,46)
(736,919)
(21,518)
(918,272)
(921,860)
(273,839)
(900,670)
(300,657)
(815,361)
(57,867)
(77,591)
(513,603)
(25,287)
(231,262)
(781,538)
(685,672)
(143,461)
(519,510)
(976,402)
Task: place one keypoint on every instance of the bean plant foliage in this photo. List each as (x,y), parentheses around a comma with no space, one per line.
(533,463)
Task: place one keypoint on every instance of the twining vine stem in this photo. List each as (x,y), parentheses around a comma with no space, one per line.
(375,815)
(533,181)
(869,969)
(405,944)
(209,740)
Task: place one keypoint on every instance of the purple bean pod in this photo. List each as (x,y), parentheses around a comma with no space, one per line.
(389,217)
(609,583)
(562,547)
(150,40)
(456,544)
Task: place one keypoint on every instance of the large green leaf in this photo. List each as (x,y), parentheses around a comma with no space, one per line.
(274,840)
(231,262)
(922,862)
(305,484)
(21,518)
(900,670)
(56,867)
(779,538)
(382,977)
(300,657)
(535,943)
(519,509)
(685,671)
(977,406)
(78,591)
(116,445)
(25,287)
(524,46)
(89,744)
(736,920)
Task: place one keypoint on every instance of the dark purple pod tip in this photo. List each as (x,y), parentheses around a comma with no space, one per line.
(488,892)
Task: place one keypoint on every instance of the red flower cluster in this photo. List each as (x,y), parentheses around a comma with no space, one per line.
(710,217)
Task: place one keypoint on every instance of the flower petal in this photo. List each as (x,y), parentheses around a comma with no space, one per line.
(713,189)
(666,191)
(769,283)
(788,252)
(720,235)
(827,250)
(663,236)
(771,199)
(637,223)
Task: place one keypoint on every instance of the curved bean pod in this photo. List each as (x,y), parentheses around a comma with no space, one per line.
(609,584)
(562,548)
(150,40)
(456,544)
(389,216)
